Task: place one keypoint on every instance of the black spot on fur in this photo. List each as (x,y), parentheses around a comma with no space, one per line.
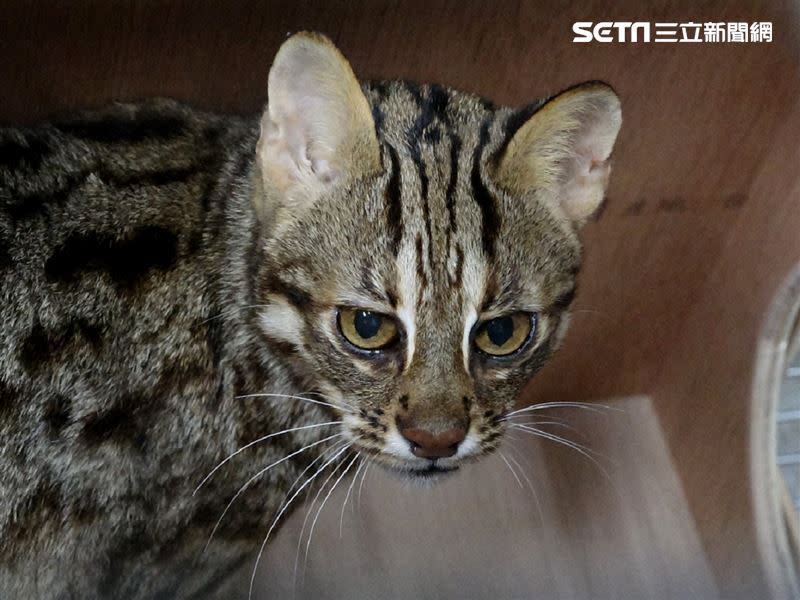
(127,261)
(42,506)
(8,398)
(57,413)
(43,345)
(144,124)
(467,402)
(5,256)
(119,424)
(14,154)
(403,401)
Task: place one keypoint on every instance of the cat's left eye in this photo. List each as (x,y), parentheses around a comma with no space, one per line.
(505,335)
(366,329)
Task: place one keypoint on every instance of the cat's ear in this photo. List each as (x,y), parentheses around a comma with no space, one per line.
(563,149)
(318,125)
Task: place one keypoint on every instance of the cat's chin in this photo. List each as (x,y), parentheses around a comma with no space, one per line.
(422,477)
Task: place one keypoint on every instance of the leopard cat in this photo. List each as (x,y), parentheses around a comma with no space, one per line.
(377,267)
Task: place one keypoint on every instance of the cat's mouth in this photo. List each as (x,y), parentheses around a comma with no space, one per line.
(428,473)
(432,470)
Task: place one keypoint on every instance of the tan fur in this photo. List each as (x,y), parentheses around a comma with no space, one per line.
(564,149)
(317,124)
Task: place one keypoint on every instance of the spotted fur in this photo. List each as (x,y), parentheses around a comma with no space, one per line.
(151,282)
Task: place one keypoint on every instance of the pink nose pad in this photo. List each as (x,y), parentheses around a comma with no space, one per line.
(425,444)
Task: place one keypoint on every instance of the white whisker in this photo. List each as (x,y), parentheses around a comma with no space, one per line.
(280,514)
(361,485)
(510,468)
(592,407)
(254,442)
(587,452)
(259,474)
(349,490)
(324,453)
(291,397)
(305,521)
(558,423)
(530,485)
(321,506)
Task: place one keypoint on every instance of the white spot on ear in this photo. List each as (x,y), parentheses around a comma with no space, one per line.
(281,321)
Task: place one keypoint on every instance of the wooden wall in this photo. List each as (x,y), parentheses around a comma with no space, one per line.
(702,220)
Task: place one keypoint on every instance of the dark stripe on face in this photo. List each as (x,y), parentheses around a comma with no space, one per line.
(394,207)
(565,299)
(431,107)
(423,278)
(31,152)
(127,261)
(299,298)
(542,353)
(145,124)
(450,197)
(484,198)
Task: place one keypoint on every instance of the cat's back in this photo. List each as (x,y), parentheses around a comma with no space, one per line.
(100,214)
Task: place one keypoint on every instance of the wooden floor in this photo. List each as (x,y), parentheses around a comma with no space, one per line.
(700,229)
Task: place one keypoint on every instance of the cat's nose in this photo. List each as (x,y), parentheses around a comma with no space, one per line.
(426,444)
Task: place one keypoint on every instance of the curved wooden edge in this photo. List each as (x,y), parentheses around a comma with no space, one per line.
(772,536)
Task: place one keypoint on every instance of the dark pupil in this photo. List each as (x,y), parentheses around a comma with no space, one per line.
(500,330)
(367,324)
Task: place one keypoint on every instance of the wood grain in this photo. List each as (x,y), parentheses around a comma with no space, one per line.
(701,224)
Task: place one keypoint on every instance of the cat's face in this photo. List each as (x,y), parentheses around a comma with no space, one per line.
(421,259)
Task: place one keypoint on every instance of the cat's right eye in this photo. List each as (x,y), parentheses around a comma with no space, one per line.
(367,330)
(505,335)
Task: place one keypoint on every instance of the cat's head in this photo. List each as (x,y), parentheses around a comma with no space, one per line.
(422,246)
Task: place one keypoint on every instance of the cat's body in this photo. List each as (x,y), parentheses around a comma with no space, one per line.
(149,279)
(129,261)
